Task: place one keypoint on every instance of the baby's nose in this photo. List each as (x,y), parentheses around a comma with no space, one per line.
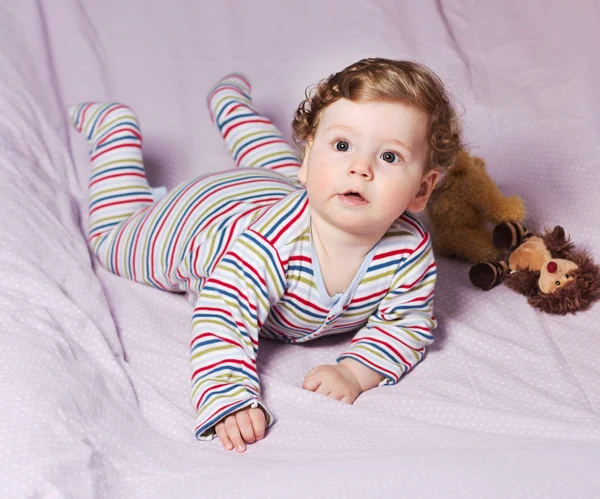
(552,267)
(362,169)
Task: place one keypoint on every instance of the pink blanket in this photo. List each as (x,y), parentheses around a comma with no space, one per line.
(94,376)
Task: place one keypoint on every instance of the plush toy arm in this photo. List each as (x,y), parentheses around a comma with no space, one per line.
(488,275)
(493,204)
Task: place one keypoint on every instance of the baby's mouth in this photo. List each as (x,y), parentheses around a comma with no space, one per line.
(353,198)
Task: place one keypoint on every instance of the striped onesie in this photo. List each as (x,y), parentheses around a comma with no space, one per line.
(238,243)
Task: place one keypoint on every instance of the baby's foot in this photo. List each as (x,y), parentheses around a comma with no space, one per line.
(99,121)
(230,93)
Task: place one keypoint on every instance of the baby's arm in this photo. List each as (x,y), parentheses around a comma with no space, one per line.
(232,307)
(393,340)
(366,377)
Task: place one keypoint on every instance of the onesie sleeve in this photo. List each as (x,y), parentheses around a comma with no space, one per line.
(394,338)
(228,315)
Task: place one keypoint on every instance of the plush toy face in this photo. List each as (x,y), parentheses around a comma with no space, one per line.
(552,285)
(555,274)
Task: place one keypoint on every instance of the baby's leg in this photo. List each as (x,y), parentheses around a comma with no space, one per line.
(118,187)
(253,139)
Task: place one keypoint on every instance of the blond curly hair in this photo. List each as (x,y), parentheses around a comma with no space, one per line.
(377,79)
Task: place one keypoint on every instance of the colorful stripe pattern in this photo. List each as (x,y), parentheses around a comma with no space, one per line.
(238,243)
(118,187)
(252,139)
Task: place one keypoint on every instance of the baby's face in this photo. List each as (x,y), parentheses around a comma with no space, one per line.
(366,165)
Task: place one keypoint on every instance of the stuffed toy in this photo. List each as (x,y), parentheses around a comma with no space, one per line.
(545,268)
(464,212)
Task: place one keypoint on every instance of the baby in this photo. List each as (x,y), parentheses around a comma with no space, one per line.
(285,247)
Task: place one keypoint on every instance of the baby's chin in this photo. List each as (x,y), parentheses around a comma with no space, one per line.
(359,226)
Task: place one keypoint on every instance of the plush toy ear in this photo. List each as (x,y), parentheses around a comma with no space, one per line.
(557,243)
(558,233)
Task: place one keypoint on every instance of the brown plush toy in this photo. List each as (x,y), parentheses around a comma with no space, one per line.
(546,269)
(463,213)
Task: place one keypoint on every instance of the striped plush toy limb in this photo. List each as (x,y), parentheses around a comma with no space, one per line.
(488,275)
(507,235)
(253,140)
(118,187)
(510,235)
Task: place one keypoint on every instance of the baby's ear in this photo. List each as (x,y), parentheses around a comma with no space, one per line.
(302,172)
(427,185)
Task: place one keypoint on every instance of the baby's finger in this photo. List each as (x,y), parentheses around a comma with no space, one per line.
(312,383)
(245,426)
(347,399)
(234,434)
(324,389)
(259,422)
(223,437)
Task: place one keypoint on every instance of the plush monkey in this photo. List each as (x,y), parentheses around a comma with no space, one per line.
(464,211)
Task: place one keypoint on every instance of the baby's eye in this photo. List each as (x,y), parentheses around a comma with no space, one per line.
(342,145)
(391,157)
(566,276)
(557,283)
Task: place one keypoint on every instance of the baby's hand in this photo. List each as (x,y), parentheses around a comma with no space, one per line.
(247,425)
(336,382)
